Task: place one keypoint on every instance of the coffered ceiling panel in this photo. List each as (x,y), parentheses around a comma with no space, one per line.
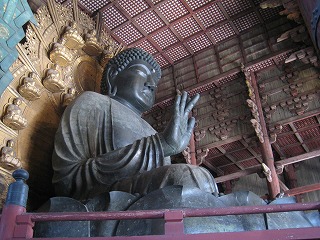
(91,6)
(113,17)
(164,27)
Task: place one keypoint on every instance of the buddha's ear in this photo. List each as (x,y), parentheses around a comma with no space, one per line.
(111,74)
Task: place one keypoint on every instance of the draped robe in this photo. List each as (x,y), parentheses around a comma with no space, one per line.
(102,145)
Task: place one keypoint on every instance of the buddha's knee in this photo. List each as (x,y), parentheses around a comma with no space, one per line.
(191,176)
(187,170)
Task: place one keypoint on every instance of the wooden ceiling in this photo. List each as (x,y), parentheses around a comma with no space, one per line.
(172,30)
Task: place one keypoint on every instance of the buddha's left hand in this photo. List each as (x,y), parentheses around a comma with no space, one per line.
(176,136)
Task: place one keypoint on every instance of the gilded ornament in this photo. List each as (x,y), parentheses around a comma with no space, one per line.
(13,117)
(107,54)
(258,129)
(60,55)
(28,89)
(92,46)
(71,38)
(68,97)
(53,82)
(8,157)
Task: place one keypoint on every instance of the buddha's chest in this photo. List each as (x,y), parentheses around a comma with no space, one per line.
(128,127)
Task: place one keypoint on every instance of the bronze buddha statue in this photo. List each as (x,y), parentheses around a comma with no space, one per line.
(103,144)
(107,158)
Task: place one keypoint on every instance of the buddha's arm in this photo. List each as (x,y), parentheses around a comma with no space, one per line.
(79,178)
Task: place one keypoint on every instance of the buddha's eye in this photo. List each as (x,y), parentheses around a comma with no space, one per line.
(141,73)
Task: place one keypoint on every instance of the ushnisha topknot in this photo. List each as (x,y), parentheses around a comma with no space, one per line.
(122,59)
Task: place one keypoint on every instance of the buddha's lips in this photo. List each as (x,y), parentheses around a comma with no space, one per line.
(147,93)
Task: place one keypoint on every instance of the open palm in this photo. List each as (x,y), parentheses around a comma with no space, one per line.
(176,135)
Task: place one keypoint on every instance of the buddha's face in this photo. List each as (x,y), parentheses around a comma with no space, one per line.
(17,101)
(136,86)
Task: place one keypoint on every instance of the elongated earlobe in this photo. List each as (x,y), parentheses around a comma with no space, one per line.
(111,92)
(111,75)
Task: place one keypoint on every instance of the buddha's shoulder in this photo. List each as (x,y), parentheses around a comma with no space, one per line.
(92,97)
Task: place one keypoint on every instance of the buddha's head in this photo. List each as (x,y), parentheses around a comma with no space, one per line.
(73,24)
(10,143)
(131,77)
(17,101)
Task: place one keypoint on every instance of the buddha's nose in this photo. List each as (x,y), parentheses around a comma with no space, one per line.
(150,84)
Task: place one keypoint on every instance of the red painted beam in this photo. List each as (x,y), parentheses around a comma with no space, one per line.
(238,174)
(175,218)
(291,233)
(303,189)
(152,214)
(173,222)
(298,158)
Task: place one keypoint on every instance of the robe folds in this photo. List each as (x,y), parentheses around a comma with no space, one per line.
(102,145)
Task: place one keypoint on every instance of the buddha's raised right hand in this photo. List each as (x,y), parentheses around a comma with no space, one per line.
(176,136)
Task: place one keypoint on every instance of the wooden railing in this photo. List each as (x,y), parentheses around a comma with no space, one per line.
(16,223)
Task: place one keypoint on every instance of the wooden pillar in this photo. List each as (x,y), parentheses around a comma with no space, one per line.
(15,205)
(291,179)
(228,187)
(267,155)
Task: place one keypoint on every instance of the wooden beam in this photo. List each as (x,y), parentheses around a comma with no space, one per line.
(220,143)
(230,157)
(303,189)
(216,53)
(306,115)
(299,158)
(290,177)
(283,186)
(276,147)
(174,78)
(254,153)
(195,68)
(299,137)
(302,129)
(218,171)
(238,174)
(256,169)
